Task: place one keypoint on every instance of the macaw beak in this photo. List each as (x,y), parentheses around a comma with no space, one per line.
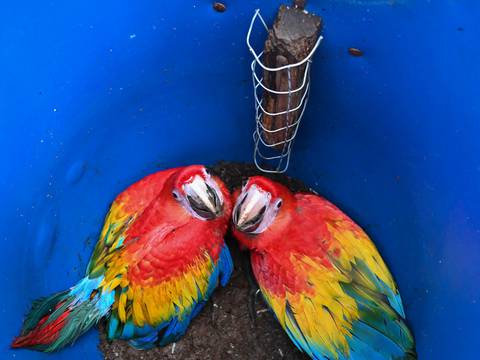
(250,209)
(204,198)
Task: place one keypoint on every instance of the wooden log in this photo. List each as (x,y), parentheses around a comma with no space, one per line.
(300,4)
(291,39)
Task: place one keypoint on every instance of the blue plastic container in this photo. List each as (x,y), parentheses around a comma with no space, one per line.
(96,94)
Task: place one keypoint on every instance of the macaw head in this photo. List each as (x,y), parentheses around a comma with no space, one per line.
(198,192)
(262,204)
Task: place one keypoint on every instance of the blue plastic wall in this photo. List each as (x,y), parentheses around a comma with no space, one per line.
(96,94)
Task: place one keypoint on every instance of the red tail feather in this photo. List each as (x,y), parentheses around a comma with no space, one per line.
(42,335)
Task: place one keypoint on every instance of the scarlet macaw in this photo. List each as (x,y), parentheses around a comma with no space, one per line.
(321,275)
(159,257)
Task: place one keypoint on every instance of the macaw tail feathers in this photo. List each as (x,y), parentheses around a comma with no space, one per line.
(58,320)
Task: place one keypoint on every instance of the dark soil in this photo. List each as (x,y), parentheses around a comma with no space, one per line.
(224,328)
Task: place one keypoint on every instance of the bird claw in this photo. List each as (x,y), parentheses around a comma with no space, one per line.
(253,287)
(252,301)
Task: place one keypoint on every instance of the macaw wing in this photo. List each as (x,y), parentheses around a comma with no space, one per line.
(162,284)
(339,301)
(127,206)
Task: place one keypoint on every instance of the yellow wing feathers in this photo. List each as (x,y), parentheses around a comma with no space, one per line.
(355,245)
(155,303)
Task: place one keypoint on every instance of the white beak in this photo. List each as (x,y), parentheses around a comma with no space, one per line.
(250,209)
(204,199)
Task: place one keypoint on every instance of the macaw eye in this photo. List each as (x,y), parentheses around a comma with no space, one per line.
(279,204)
(175,195)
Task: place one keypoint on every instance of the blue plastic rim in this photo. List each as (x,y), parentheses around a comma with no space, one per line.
(95,95)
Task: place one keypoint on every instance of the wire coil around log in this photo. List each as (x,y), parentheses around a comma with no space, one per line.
(275,157)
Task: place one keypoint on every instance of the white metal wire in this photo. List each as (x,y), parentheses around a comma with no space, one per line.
(268,157)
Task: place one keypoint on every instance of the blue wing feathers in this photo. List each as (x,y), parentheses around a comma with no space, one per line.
(176,329)
(225,264)
(372,344)
(112,327)
(144,343)
(360,350)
